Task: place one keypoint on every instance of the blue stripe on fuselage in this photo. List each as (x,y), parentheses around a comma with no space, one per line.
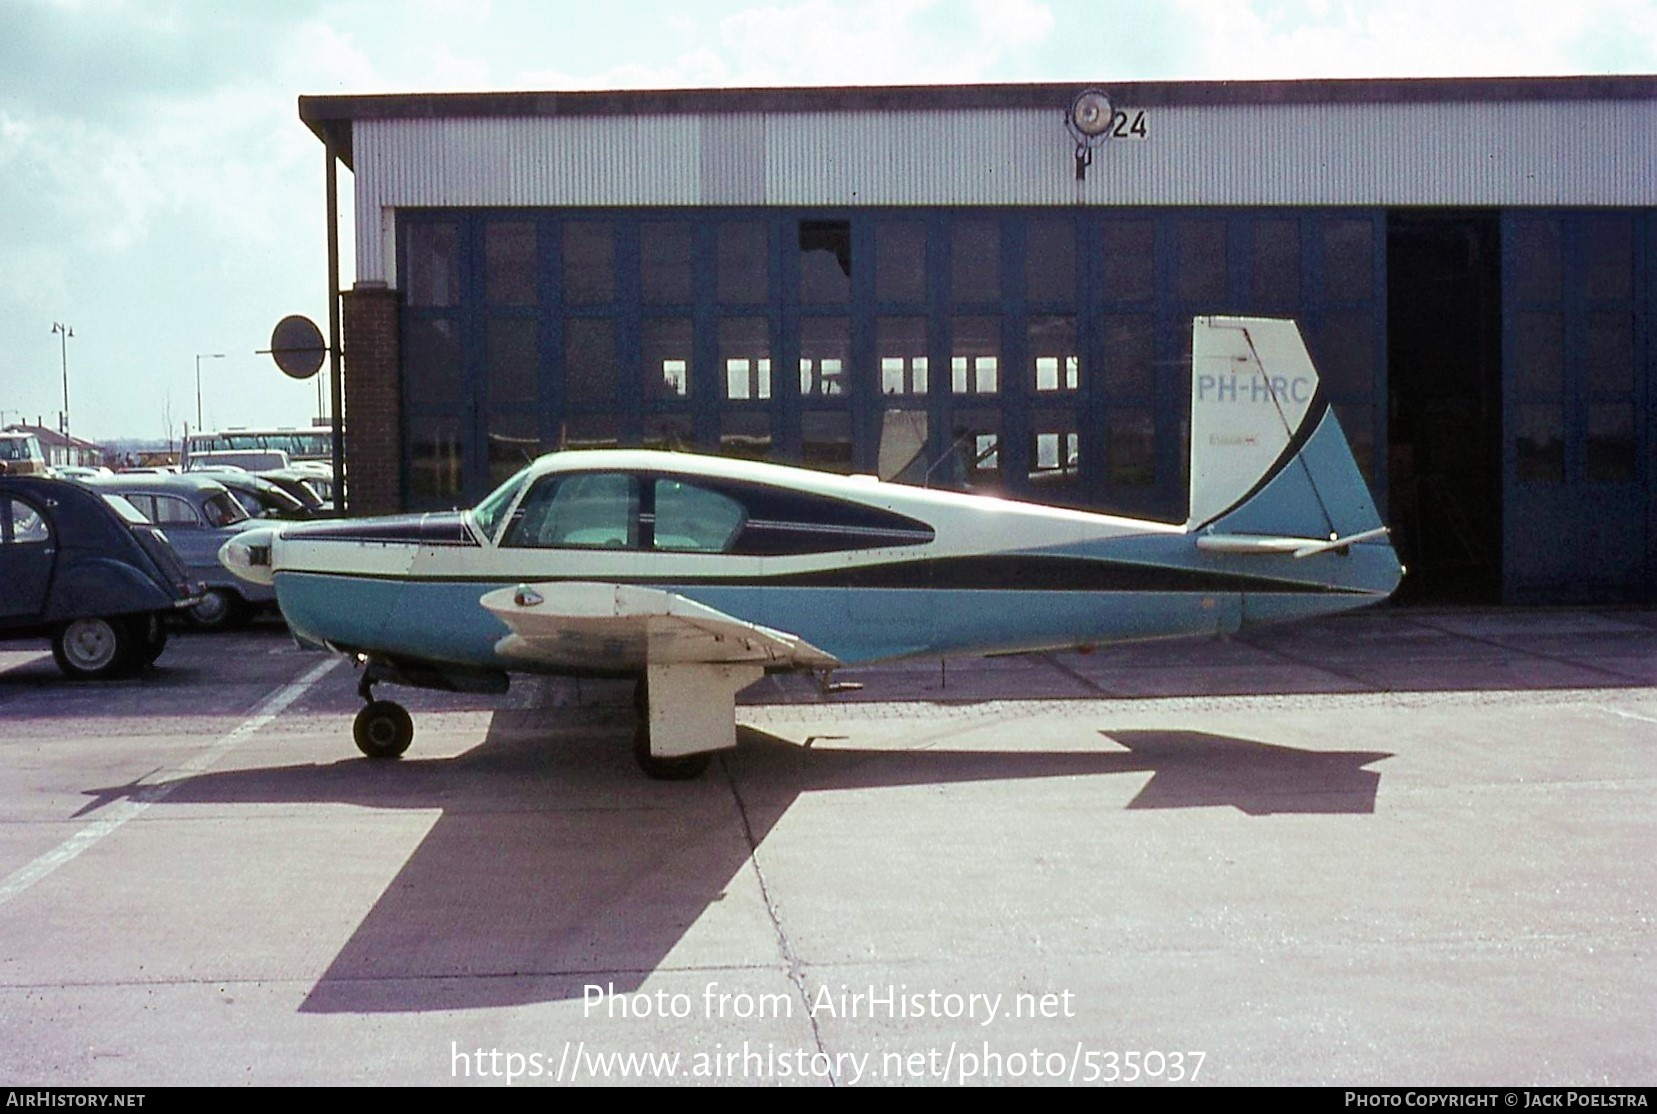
(441,620)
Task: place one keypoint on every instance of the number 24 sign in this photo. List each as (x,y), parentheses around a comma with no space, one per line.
(1128,125)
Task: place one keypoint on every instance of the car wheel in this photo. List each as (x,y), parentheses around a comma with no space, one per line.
(93,649)
(219,609)
(383,729)
(149,637)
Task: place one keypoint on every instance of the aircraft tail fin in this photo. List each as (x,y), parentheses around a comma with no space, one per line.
(1271,470)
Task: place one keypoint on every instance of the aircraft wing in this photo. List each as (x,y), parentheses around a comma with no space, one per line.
(599,626)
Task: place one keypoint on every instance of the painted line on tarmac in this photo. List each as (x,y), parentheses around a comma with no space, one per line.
(1627,715)
(119,812)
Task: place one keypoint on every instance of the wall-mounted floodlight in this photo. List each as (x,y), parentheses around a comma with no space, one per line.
(1089,121)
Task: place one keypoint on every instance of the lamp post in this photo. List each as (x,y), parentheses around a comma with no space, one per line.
(200,357)
(64,332)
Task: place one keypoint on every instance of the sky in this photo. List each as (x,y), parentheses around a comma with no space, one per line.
(161,198)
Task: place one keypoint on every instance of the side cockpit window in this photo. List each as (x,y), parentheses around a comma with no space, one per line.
(694,520)
(587,511)
(730,516)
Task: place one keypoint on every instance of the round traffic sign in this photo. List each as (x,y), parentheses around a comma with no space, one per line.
(297,346)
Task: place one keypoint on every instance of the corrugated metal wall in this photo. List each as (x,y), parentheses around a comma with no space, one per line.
(1494,153)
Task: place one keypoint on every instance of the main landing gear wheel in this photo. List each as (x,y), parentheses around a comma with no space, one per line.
(383,729)
(684,768)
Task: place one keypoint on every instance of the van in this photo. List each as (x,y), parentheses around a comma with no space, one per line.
(20,454)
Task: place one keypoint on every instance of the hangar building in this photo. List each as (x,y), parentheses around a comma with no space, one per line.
(772,272)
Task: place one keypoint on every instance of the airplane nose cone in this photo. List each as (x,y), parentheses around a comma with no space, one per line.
(248,555)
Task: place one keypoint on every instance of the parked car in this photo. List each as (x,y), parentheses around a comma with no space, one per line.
(260,497)
(199,515)
(20,454)
(310,486)
(79,471)
(88,572)
(250,460)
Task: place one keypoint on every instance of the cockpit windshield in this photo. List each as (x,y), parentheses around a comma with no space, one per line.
(487,514)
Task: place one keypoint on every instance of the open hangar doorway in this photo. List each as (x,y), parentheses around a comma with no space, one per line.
(1444,375)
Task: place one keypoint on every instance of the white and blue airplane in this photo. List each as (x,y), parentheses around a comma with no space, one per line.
(697,575)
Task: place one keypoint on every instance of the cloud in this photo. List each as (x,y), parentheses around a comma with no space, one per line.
(1416,38)
(822,42)
(109,60)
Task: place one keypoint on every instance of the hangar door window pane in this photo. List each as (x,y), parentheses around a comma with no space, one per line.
(1274,278)
(1054,359)
(1609,246)
(1610,353)
(509,263)
(589,263)
(590,369)
(432,364)
(510,353)
(826,440)
(745,357)
(1611,443)
(900,261)
(1202,260)
(674,432)
(976,448)
(668,348)
(825,261)
(1348,260)
(1055,457)
(1130,355)
(665,263)
(1050,260)
(1539,444)
(433,265)
(590,431)
(1539,274)
(902,346)
(745,433)
(1540,359)
(1131,448)
(1348,352)
(975,356)
(975,261)
(744,263)
(514,441)
(825,357)
(1129,248)
(435,456)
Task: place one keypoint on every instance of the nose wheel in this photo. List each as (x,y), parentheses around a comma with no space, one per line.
(383,729)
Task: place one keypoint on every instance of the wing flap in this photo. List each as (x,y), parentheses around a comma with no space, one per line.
(600,626)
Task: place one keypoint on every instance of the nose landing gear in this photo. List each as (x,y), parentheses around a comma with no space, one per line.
(383,728)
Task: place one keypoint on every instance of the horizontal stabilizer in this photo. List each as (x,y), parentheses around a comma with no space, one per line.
(1297,547)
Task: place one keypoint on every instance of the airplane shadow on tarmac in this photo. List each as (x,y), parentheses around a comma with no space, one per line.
(551,867)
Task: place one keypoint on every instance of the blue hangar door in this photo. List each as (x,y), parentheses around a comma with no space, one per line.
(1576,407)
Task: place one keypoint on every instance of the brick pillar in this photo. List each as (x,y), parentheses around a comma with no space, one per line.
(373,397)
